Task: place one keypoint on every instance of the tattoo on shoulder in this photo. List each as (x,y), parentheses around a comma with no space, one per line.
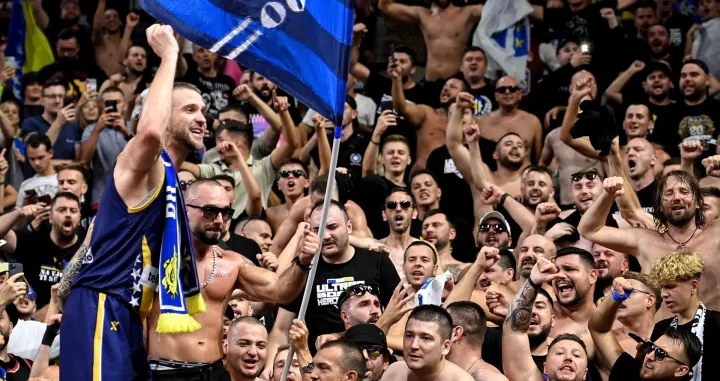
(477,376)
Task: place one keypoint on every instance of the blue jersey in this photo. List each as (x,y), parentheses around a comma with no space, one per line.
(125,248)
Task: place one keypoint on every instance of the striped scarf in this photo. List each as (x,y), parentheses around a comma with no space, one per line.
(698,329)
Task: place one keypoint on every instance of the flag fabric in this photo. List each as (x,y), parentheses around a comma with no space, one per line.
(504,35)
(302,46)
(27,44)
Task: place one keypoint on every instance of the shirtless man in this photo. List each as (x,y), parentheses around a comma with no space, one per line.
(509,118)
(292,180)
(135,63)
(509,154)
(427,192)
(246,348)
(399,211)
(680,226)
(106,38)
(220,272)
(567,356)
(439,230)
(426,343)
(430,123)
(466,351)
(446,29)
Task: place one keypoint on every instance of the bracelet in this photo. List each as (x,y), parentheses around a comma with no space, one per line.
(50,332)
(621,298)
(300,265)
(535,286)
(502,199)
(374,142)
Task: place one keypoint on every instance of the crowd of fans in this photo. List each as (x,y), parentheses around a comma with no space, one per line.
(573,211)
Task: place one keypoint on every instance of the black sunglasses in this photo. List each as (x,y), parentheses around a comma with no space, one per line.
(358,290)
(507,89)
(404,204)
(185,184)
(499,228)
(297,173)
(660,354)
(590,176)
(211,212)
(374,351)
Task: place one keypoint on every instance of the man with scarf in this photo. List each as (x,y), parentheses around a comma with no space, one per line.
(141,240)
(678,276)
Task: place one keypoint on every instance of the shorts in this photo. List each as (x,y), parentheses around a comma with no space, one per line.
(102,339)
(166,370)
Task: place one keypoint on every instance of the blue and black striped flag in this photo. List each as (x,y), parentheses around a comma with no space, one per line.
(302,46)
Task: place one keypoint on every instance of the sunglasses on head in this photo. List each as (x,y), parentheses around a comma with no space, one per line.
(404,204)
(499,228)
(590,176)
(296,173)
(660,354)
(185,184)
(358,290)
(507,89)
(374,351)
(211,212)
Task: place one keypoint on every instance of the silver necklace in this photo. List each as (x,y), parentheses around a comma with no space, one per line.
(212,272)
(472,365)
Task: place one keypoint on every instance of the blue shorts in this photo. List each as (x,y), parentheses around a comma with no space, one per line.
(101,339)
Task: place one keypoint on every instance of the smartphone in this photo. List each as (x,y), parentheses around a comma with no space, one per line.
(46,199)
(386,105)
(90,85)
(112,104)
(31,193)
(393,61)
(16,268)
(11,62)
(585,48)
(68,101)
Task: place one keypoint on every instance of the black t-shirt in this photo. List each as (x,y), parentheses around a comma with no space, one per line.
(685,122)
(378,88)
(216,92)
(678,25)
(456,195)
(484,100)
(626,368)
(365,267)
(711,342)
(17,369)
(647,196)
(369,193)
(351,153)
(242,245)
(43,261)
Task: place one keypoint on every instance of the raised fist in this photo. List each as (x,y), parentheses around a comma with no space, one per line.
(614,186)
(162,40)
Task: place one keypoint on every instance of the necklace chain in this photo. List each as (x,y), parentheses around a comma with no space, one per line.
(212,272)
(472,365)
(680,245)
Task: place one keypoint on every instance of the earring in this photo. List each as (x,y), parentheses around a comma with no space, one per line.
(545,376)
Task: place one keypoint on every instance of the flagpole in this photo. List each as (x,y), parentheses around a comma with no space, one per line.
(321,233)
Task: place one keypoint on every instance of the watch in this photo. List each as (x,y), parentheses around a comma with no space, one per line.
(300,265)
(308,368)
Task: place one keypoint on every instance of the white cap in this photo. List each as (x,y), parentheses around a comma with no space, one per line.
(496,215)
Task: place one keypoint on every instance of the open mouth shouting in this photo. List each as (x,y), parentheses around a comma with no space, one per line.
(251,365)
(197,132)
(565,288)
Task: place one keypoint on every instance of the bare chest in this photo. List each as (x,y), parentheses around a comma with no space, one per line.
(219,279)
(567,325)
(448,24)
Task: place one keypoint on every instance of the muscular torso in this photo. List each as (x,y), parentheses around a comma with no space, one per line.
(494,125)
(107,55)
(446,34)
(204,345)
(430,136)
(568,162)
(564,324)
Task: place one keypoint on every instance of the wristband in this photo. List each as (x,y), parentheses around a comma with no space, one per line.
(502,199)
(374,142)
(621,298)
(300,265)
(50,332)
(535,286)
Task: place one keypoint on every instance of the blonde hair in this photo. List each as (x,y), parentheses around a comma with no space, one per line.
(679,266)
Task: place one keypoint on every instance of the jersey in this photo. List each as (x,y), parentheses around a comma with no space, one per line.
(125,248)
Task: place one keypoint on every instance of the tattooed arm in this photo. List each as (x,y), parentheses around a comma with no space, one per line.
(73,268)
(517,354)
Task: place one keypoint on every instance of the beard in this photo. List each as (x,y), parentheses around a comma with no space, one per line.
(441,3)
(539,338)
(506,162)
(441,244)
(207,236)
(579,296)
(680,220)
(6,340)
(262,96)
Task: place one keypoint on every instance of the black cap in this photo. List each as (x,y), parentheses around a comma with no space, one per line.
(564,42)
(366,334)
(662,66)
(702,65)
(13,313)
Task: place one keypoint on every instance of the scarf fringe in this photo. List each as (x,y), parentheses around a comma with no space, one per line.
(195,304)
(177,323)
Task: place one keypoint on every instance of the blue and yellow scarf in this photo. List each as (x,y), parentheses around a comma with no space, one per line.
(179,286)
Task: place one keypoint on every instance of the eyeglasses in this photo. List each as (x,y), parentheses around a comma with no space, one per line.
(185,184)
(404,204)
(296,173)
(358,290)
(660,354)
(590,176)
(374,351)
(499,228)
(211,212)
(507,89)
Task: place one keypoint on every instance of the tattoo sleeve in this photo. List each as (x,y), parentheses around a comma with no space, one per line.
(521,309)
(71,270)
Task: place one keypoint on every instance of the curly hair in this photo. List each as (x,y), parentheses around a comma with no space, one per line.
(649,284)
(679,266)
(691,182)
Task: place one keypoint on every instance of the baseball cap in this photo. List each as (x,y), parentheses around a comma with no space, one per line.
(32,295)
(702,65)
(366,334)
(653,66)
(496,215)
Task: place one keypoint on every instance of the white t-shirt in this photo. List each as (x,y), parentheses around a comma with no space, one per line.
(41,184)
(26,338)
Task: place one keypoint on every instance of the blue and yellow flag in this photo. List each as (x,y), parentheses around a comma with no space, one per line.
(302,46)
(27,44)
